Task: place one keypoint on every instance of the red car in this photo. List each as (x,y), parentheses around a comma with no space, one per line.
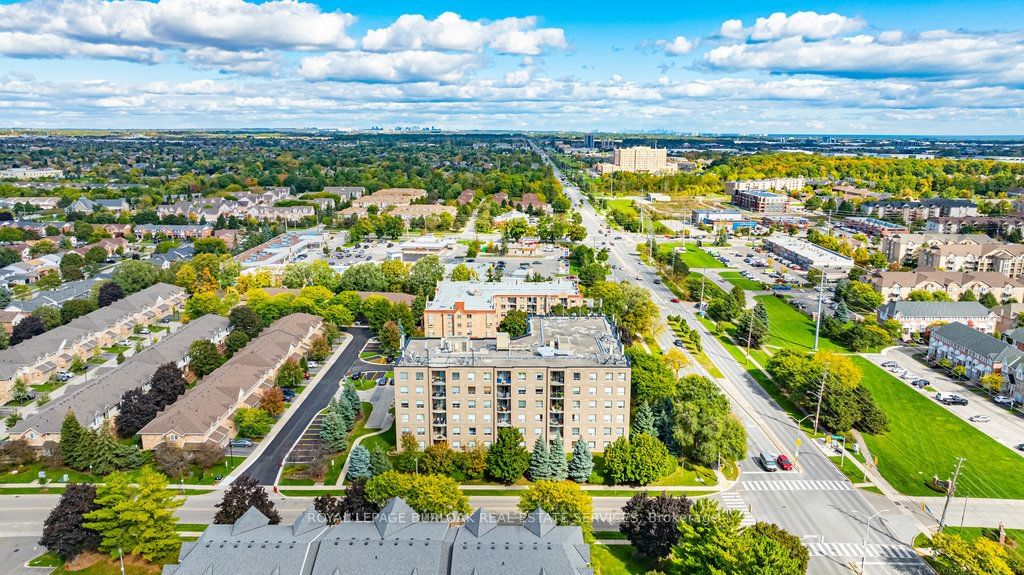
(784,463)
(675,300)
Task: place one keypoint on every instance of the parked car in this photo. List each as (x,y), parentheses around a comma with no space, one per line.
(908,375)
(922,383)
(64,376)
(1020,447)
(678,343)
(241,442)
(675,300)
(980,418)
(955,400)
(144,331)
(784,463)
(888,364)
(1002,399)
(768,461)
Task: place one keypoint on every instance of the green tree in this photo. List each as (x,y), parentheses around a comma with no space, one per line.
(540,465)
(564,501)
(235,342)
(556,458)
(705,427)
(643,420)
(75,442)
(290,374)
(390,339)
(515,323)
(135,275)
(204,357)
(71,265)
(988,299)
(244,319)
(252,422)
(424,275)
(637,461)
(379,462)
(136,516)
(49,315)
(463,273)
(507,459)
(409,454)
(515,229)
(359,463)
(429,495)
(653,381)
(582,463)
(334,430)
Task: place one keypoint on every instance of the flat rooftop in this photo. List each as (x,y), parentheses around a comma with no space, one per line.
(551,340)
(815,253)
(759,194)
(479,295)
(878,223)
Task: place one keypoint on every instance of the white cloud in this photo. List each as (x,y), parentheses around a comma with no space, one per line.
(43,45)
(677,47)
(393,67)
(732,29)
(807,25)
(451,32)
(254,63)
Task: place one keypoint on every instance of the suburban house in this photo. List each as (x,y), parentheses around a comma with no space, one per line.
(177,231)
(1007,259)
(203,414)
(1007,315)
(389,197)
(474,309)
(918,316)
(898,285)
(35,360)
(87,206)
(345,193)
(95,400)
(397,540)
(978,352)
(905,247)
(10,318)
(412,211)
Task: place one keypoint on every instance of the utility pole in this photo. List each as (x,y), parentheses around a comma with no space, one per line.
(750,329)
(949,492)
(821,393)
(821,296)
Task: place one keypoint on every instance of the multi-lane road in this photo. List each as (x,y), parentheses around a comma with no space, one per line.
(814,502)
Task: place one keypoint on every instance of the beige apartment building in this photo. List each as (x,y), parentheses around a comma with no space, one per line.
(639,159)
(906,247)
(568,377)
(898,285)
(407,213)
(474,309)
(1007,259)
(388,197)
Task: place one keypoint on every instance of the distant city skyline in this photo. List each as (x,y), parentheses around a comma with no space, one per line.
(946,67)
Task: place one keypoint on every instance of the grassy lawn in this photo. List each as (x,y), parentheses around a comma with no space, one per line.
(623,204)
(701,357)
(49,386)
(790,328)
(652,344)
(609,535)
(737,280)
(924,440)
(694,257)
(618,560)
(363,384)
(107,566)
(848,468)
(972,533)
(386,441)
(337,460)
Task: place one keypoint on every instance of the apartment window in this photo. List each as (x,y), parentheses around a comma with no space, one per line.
(404,376)
(456,375)
(607,405)
(593,377)
(575,431)
(607,391)
(471,390)
(575,404)
(521,418)
(618,431)
(575,391)
(419,404)
(522,404)
(421,430)
(456,444)
(487,431)
(521,376)
(592,404)
(622,376)
(607,417)
(455,390)
(456,431)
(487,417)
(472,417)
(591,444)
(574,417)
(538,417)
(539,404)
(471,376)
(591,431)
(419,390)
(521,390)
(471,404)
(538,390)
(472,431)
(608,376)
(592,391)
(538,431)
(405,403)
(522,431)
(405,418)
(620,404)
(620,391)
(419,417)
(620,418)
(419,376)
(487,377)
(576,376)
(540,377)
(487,404)
(405,430)
(456,417)
(403,390)
(607,431)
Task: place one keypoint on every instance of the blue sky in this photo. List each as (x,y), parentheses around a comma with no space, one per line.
(874,67)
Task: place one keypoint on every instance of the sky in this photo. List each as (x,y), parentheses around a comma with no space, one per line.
(940,67)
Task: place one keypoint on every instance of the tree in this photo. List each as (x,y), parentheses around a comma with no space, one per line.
(319,349)
(170,459)
(988,299)
(244,319)
(75,308)
(136,518)
(438,458)
(507,459)
(71,265)
(390,339)
(515,323)
(424,275)
(210,246)
(135,275)
(355,503)
(272,401)
(204,357)
(63,531)
(109,293)
(379,462)
(252,422)
(463,273)
(167,384)
(330,508)
(992,382)
(643,421)
(49,315)
(564,501)
(207,455)
(753,326)
(540,465)
(705,428)
(409,454)
(980,557)
(592,273)
(582,463)
(290,374)
(134,411)
(26,329)
(108,455)
(842,313)
(652,523)
(359,463)
(334,430)
(515,229)
(766,547)
(637,461)
(652,380)
(74,447)
(235,342)
(244,493)
(494,274)
(557,460)
(428,495)
(19,392)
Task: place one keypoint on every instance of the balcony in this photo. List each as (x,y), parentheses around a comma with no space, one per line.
(439,406)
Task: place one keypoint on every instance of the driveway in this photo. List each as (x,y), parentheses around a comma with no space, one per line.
(1005,427)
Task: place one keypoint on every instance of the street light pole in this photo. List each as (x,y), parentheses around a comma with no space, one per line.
(867,529)
(821,295)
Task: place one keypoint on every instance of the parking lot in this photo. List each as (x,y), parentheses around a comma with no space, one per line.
(549,265)
(1004,426)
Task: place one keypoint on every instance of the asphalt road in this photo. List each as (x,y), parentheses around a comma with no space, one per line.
(266,466)
(815,503)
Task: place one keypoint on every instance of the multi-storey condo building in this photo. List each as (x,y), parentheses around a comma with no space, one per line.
(904,248)
(639,159)
(992,225)
(474,309)
(920,210)
(783,184)
(918,316)
(568,377)
(761,202)
(898,285)
(390,197)
(1007,259)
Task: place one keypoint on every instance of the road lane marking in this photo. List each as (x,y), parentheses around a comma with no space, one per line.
(797,485)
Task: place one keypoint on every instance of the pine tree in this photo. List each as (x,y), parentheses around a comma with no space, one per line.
(108,455)
(73,442)
(244,493)
(556,457)
(540,462)
(343,408)
(352,396)
(582,463)
(136,516)
(334,430)
(359,463)
(842,313)
(379,462)
(643,420)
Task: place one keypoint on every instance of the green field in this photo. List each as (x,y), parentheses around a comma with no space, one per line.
(737,280)
(618,560)
(694,257)
(972,533)
(924,439)
(790,328)
(623,204)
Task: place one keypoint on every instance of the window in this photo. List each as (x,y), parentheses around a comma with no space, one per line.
(472,417)
(539,404)
(456,405)
(575,391)
(471,390)
(538,431)
(419,376)
(607,417)
(487,431)
(622,376)
(456,417)
(618,431)
(456,444)
(419,404)
(405,403)
(456,375)
(620,390)
(456,431)
(487,376)
(592,404)
(574,417)
(455,390)
(591,444)
(521,376)
(592,417)
(419,417)
(593,376)
(487,417)
(620,418)
(471,376)
(540,377)
(538,390)
(521,418)
(404,376)
(487,404)
(607,391)
(521,390)
(403,390)
(591,431)
(575,431)
(620,404)
(522,404)
(607,431)
(405,430)
(592,391)
(607,405)
(472,431)
(471,404)
(405,418)
(576,376)
(538,417)
(575,404)
(419,390)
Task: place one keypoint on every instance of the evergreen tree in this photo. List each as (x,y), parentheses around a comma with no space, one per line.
(74,443)
(582,463)
(379,462)
(244,493)
(842,312)
(63,533)
(556,457)
(107,455)
(136,516)
(346,410)
(352,396)
(540,462)
(334,430)
(643,420)
(359,463)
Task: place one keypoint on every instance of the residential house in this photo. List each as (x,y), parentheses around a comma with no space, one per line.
(904,248)
(230,237)
(917,316)
(177,231)
(413,211)
(1007,316)
(898,285)
(980,353)
(389,197)
(11,318)
(203,414)
(466,197)
(1007,259)
(86,206)
(346,193)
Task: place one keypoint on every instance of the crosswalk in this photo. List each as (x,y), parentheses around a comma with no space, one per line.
(874,551)
(734,501)
(797,485)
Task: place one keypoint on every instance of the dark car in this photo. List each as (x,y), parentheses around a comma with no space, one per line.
(678,343)
(920,383)
(1020,447)
(955,400)
(241,442)
(784,463)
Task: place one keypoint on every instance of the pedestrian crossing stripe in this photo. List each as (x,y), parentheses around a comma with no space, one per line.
(734,501)
(797,485)
(857,550)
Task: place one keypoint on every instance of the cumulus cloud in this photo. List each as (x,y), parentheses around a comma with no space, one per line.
(391,67)
(677,47)
(808,25)
(451,32)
